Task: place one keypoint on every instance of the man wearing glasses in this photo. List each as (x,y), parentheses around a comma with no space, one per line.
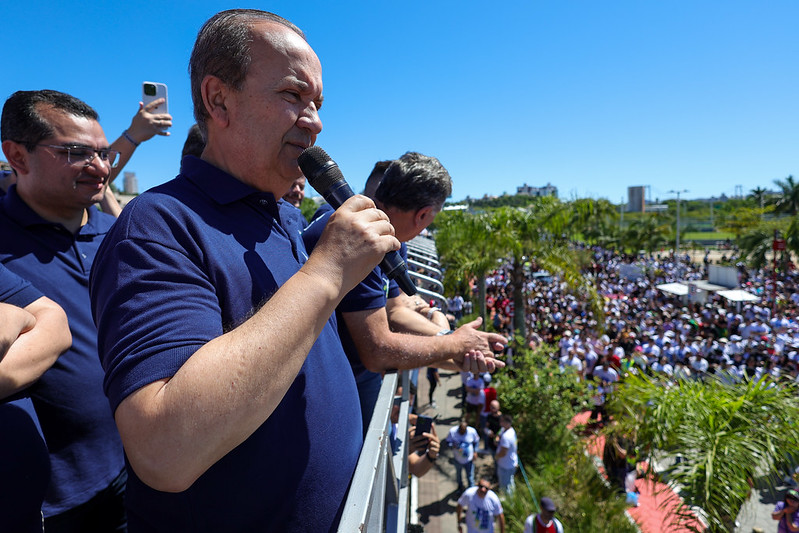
(49,234)
(482,508)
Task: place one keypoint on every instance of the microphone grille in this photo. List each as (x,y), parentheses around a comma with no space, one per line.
(311,159)
(319,169)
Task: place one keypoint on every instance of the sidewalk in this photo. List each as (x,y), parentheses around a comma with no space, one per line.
(438,491)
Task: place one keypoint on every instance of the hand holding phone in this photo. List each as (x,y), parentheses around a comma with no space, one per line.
(152,91)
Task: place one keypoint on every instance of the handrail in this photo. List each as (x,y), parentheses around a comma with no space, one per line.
(429,268)
(378,497)
(427,279)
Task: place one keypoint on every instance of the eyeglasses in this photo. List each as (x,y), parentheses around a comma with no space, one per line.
(83,155)
(482,487)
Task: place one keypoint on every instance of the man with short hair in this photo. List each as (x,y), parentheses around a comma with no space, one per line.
(545,521)
(232,393)
(482,508)
(50,232)
(296,192)
(463,438)
(378,330)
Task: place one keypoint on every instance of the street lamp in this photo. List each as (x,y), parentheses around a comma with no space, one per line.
(677,247)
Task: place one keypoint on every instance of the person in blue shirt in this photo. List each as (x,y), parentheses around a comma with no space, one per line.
(379,329)
(231,391)
(33,333)
(49,235)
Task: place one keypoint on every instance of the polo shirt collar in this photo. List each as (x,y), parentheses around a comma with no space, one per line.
(220,186)
(16,208)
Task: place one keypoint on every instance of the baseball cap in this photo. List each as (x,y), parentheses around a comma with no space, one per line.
(548,505)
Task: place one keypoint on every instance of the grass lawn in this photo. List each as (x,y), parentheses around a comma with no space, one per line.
(707,235)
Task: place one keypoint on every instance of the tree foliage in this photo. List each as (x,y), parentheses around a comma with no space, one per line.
(724,434)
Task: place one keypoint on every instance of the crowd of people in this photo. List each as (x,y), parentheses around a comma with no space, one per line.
(656,331)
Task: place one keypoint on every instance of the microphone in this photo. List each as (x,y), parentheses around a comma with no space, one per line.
(324,175)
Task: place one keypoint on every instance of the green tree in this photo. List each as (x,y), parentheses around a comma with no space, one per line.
(787,201)
(757,242)
(742,219)
(759,196)
(724,434)
(467,249)
(543,400)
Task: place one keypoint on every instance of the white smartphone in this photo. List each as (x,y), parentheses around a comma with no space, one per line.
(153,91)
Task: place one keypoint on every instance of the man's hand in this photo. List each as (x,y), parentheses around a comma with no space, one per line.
(355,240)
(476,362)
(145,124)
(474,339)
(15,321)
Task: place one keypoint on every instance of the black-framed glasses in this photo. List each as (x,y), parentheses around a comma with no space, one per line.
(83,155)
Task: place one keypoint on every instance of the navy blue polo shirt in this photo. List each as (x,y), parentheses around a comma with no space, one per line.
(186,262)
(371,293)
(24,464)
(85,449)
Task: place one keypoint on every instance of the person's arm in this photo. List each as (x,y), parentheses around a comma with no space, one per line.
(408,314)
(502,452)
(174,429)
(143,127)
(381,349)
(501,520)
(109,203)
(459,513)
(419,465)
(39,334)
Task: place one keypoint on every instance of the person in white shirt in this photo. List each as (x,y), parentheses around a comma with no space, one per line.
(463,439)
(482,508)
(506,456)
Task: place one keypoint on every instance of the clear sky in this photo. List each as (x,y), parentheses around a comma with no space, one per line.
(591,96)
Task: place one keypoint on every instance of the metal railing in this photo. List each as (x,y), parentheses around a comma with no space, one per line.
(379,494)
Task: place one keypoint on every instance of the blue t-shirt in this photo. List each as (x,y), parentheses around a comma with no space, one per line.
(24,463)
(371,293)
(186,262)
(85,449)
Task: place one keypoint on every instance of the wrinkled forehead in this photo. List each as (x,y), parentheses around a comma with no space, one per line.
(284,50)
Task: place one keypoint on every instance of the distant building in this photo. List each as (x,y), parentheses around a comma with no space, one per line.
(636,199)
(547,190)
(130,185)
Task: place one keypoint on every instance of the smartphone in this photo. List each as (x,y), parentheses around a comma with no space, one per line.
(423,425)
(153,91)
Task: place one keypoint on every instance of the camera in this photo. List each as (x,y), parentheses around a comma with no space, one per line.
(149,89)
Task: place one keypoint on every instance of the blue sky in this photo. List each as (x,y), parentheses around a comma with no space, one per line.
(591,96)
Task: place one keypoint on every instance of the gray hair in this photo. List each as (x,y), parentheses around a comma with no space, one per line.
(222,49)
(414,181)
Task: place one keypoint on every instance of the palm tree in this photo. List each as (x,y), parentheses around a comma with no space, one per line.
(788,199)
(757,243)
(467,249)
(759,195)
(724,434)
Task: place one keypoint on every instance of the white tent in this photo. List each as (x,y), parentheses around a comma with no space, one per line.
(738,295)
(674,288)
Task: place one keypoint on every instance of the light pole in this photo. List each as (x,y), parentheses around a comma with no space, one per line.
(677,247)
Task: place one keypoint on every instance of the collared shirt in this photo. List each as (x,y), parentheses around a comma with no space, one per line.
(24,463)
(186,262)
(85,449)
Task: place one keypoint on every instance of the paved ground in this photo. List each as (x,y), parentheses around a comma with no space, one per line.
(438,492)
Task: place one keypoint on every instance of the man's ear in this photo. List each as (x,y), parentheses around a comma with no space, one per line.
(424,216)
(215,93)
(17,156)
